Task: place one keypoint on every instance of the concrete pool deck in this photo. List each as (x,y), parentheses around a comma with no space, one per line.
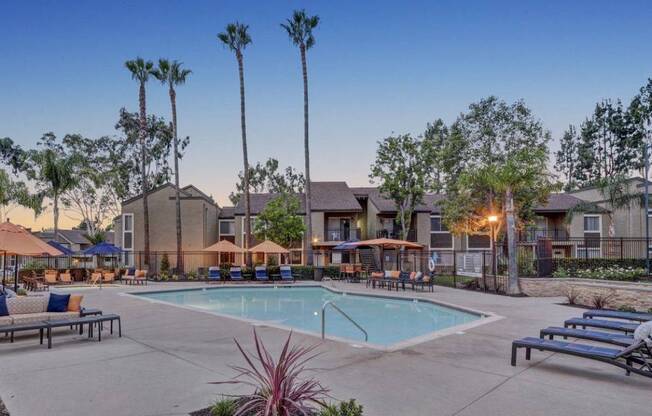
(167,356)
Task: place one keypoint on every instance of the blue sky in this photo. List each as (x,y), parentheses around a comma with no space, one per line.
(377,67)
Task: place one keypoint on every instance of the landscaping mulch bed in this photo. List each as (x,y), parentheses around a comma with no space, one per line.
(4,412)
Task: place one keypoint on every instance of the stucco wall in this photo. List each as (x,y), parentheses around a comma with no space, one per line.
(632,294)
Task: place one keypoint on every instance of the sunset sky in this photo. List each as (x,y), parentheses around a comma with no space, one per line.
(377,68)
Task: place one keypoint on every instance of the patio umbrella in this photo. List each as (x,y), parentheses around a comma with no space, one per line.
(63,249)
(268,247)
(102,249)
(389,243)
(347,245)
(17,241)
(224,246)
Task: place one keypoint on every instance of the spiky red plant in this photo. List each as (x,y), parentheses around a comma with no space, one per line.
(279,388)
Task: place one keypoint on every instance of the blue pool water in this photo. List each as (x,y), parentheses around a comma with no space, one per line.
(387,321)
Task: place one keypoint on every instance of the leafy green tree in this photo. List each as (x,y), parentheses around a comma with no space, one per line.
(54,173)
(403,168)
(299,28)
(140,71)
(268,178)
(280,221)
(438,135)
(12,155)
(566,161)
(16,193)
(496,163)
(236,38)
(173,74)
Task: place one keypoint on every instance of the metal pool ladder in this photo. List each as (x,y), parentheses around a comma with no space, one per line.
(323,319)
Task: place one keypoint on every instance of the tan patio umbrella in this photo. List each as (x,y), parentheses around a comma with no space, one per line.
(269,247)
(17,241)
(389,243)
(224,246)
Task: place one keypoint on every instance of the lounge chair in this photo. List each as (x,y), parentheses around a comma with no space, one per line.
(108,277)
(286,273)
(628,316)
(634,359)
(65,278)
(607,337)
(235,274)
(95,278)
(626,327)
(214,274)
(261,274)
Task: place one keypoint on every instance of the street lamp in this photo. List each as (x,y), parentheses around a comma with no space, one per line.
(493,220)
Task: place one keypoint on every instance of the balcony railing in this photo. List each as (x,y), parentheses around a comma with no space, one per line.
(342,234)
(533,234)
(396,234)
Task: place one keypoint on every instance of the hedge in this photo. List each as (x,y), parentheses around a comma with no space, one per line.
(572,265)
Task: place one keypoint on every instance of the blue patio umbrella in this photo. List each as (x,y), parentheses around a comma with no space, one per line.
(102,248)
(65,250)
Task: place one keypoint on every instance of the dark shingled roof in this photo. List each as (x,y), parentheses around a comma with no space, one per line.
(73,236)
(227,212)
(560,202)
(387,206)
(326,196)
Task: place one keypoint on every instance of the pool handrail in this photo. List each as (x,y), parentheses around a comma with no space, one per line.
(337,308)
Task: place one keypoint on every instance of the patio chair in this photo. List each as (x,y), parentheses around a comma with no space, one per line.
(606,337)
(261,274)
(108,277)
(65,278)
(375,278)
(95,278)
(214,274)
(626,327)
(286,273)
(633,359)
(235,274)
(129,276)
(627,316)
(141,277)
(423,281)
(50,277)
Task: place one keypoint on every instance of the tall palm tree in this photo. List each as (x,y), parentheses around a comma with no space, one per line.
(236,38)
(299,28)
(56,176)
(172,74)
(140,71)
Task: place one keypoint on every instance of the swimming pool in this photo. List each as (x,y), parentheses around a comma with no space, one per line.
(388,321)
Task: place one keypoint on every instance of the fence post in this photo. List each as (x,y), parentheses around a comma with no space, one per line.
(621,248)
(484,274)
(454,269)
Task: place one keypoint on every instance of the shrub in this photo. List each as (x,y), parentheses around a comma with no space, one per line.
(601,300)
(560,273)
(349,408)
(281,387)
(34,265)
(191,275)
(574,264)
(572,294)
(525,260)
(627,308)
(21,292)
(165,264)
(224,407)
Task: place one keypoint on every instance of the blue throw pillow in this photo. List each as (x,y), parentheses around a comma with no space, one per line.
(3,306)
(58,303)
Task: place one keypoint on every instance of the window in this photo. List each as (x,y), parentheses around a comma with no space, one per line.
(440,236)
(590,245)
(227,227)
(296,257)
(127,231)
(478,242)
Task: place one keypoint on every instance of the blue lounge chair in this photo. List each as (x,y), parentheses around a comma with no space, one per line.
(626,327)
(214,274)
(607,337)
(634,359)
(286,274)
(261,274)
(235,274)
(628,316)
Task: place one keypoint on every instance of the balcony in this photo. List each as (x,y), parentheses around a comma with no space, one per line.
(343,234)
(396,234)
(531,235)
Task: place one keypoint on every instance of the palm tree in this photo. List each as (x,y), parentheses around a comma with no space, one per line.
(299,29)
(56,176)
(140,71)
(236,39)
(172,74)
